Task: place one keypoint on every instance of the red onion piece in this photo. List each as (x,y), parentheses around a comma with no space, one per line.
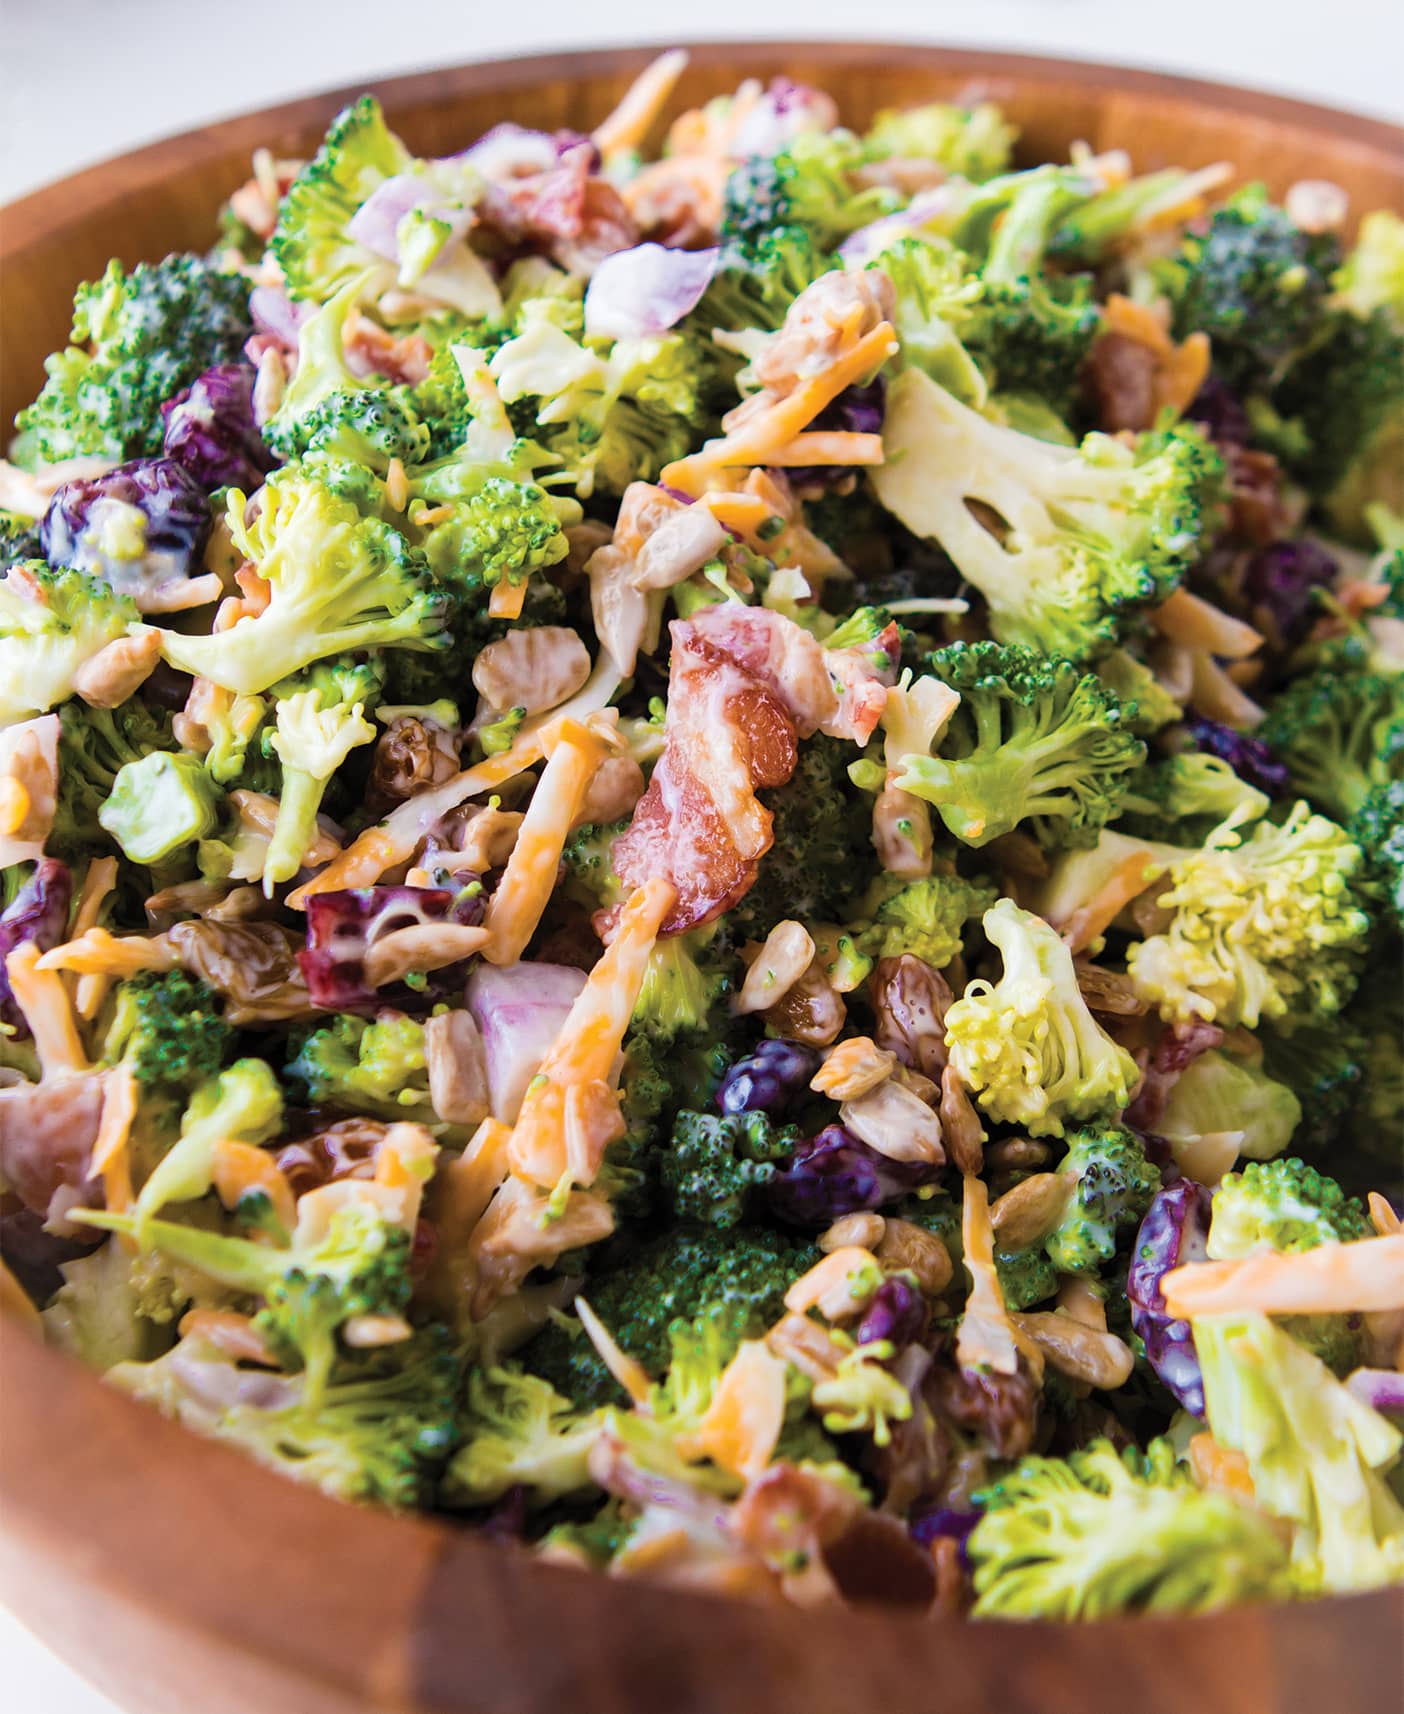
(520,1009)
(646,290)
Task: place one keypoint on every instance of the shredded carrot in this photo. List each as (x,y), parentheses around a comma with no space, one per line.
(588,1045)
(765,433)
(744,513)
(638,108)
(574,756)
(111,1157)
(1333,1279)
(830,446)
(99,953)
(507,599)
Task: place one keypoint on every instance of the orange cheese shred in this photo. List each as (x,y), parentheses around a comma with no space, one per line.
(630,122)
(743,1422)
(1333,1279)
(829,446)
(239,1168)
(627,1370)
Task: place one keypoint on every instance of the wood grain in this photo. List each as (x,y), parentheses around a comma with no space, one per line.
(183,1579)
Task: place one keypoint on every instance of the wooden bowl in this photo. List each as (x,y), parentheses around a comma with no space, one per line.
(183,1579)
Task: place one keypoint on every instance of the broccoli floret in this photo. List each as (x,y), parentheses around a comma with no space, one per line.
(1031,330)
(937,299)
(1186,797)
(1323,1067)
(809,184)
(715,1164)
(1146,705)
(519,1432)
(1340,734)
(1103,1532)
(51,624)
(320,719)
(1372,275)
(241,1104)
(969,142)
(160,803)
(1345,399)
(1319,1458)
(1269,926)
(741,1274)
(338,583)
(376,1067)
(1377,827)
(368,427)
(138,339)
(94,745)
(19,539)
(687,976)
(822,850)
(1084,536)
(1027,1045)
(588,865)
(168,1029)
(358,1264)
(1026,1277)
(1034,740)
(500,529)
(310,243)
(380,1433)
(1112,1187)
(756,281)
(1282,1205)
(1216,1093)
(925,917)
(1256,283)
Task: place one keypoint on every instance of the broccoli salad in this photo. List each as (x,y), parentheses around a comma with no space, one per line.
(703,854)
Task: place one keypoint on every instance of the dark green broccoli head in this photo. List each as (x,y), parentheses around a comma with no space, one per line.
(169,1028)
(716,1163)
(367,426)
(757,279)
(1377,827)
(1340,733)
(138,338)
(1257,284)
(740,1274)
(1112,1187)
(1338,397)
(1026,1277)
(1035,740)
(1323,1068)
(823,851)
(1283,1205)
(809,185)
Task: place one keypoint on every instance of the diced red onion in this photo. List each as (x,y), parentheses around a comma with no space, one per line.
(520,1009)
(1381,1389)
(274,312)
(868,242)
(376,223)
(646,290)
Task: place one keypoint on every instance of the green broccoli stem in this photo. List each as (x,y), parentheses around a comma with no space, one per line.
(295,827)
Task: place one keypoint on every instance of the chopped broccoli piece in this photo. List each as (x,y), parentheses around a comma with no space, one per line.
(1104,1532)
(1340,734)
(1256,283)
(1186,797)
(1026,1277)
(924,917)
(937,299)
(338,583)
(51,624)
(1372,275)
(1318,1457)
(19,539)
(519,1432)
(310,243)
(1027,1045)
(715,1164)
(368,427)
(741,1273)
(1034,739)
(809,184)
(1077,538)
(756,281)
(1282,1205)
(1112,1187)
(94,745)
(168,1029)
(1377,827)
(1146,704)
(1271,926)
(687,976)
(241,1104)
(380,1432)
(969,142)
(376,1067)
(160,803)
(138,339)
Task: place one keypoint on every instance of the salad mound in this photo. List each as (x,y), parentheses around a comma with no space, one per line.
(703,855)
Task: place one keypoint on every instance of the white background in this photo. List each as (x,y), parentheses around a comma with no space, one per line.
(87,78)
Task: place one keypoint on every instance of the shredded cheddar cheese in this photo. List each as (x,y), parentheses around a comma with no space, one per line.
(1333,1279)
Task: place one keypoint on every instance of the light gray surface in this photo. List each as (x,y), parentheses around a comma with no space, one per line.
(90,78)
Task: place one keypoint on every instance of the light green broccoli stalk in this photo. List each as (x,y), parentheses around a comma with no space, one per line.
(1217,1093)
(1270,926)
(1190,787)
(378,1434)
(1087,535)
(377,1067)
(320,720)
(1112,1184)
(1034,740)
(338,583)
(356,1263)
(51,624)
(243,1104)
(969,142)
(159,803)
(1147,705)
(925,917)
(1319,1457)
(936,293)
(1102,1532)
(1027,1045)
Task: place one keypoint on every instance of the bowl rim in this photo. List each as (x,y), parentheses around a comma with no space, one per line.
(412,1578)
